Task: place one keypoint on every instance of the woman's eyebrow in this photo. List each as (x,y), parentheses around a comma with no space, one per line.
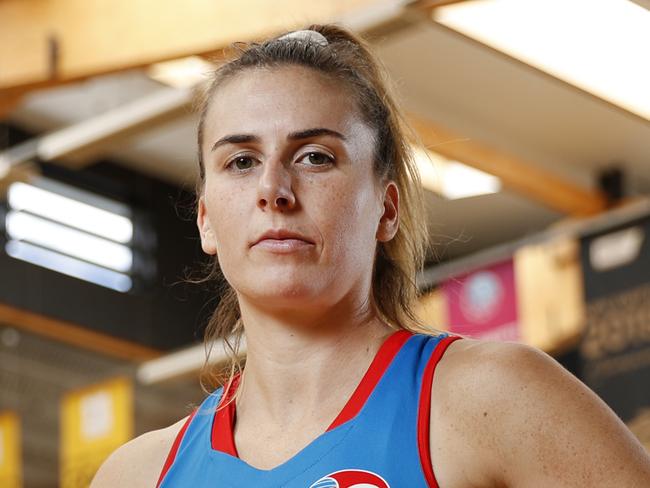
(235,139)
(318,131)
(302,134)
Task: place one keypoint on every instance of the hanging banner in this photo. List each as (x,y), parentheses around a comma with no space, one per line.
(615,350)
(94,422)
(10,451)
(550,296)
(483,304)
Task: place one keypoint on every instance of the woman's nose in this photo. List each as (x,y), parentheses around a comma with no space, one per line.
(274,188)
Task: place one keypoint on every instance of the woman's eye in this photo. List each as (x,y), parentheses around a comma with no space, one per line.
(317,159)
(242,163)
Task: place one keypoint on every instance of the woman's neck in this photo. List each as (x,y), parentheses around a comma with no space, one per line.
(302,366)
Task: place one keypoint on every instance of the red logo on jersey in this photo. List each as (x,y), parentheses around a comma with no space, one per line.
(351,478)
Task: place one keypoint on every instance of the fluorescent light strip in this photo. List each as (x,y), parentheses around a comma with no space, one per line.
(74,213)
(68,266)
(452,179)
(181,73)
(462,181)
(429,167)
(54,236)
(599,46)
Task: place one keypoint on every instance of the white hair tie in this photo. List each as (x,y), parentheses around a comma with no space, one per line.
(306,35)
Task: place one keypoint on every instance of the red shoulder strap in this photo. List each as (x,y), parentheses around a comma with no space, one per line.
(424,409)
(223,436)
(172,452)
(375,371)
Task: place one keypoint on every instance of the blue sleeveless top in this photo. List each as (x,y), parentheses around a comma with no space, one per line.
(380,438)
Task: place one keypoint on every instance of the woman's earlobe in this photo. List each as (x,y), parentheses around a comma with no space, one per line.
(389,221)
(208,241)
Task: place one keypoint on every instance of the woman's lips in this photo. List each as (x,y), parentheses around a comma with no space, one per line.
(283,246)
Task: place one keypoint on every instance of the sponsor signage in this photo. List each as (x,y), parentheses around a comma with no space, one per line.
(10,451)
(94,422)
(483,304)
(615,350)
(550,295)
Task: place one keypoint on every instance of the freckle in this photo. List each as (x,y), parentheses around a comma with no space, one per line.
(484,414)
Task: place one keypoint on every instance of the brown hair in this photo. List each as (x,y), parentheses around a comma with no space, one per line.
(347,59)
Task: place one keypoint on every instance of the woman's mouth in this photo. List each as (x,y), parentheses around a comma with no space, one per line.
(282,241)
(283,246)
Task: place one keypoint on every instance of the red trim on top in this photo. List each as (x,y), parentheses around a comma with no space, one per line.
(223,438)
(222,426)
(424,409)
(172,452)
(383,358)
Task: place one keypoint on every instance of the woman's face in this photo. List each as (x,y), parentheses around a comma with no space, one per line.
(290,204)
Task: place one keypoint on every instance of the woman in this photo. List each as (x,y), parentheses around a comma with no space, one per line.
(309,201)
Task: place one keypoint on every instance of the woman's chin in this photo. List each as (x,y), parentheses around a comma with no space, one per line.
(284,293)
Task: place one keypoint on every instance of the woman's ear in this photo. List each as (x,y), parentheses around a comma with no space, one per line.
(389,221)
(208,241)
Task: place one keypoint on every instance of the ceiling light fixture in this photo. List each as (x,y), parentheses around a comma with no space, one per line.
(68,265)
(69,211)
(22,226)
(600,47)
(452,179)
(72,231)
(181,73)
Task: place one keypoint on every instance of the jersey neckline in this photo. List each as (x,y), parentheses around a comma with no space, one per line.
(222,434)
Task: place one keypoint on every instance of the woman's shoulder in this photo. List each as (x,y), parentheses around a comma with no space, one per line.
(522,417)
(474,373)
(479,379)
(138,463)
(468,356)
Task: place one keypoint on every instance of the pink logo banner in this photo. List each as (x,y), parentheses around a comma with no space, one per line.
(483,304)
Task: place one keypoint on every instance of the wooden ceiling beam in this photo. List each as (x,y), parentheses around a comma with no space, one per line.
(515,173)
(7,104)
(75,335)
(50,42)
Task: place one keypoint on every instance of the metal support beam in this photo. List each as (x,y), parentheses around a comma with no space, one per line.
(183,362)
(96,130)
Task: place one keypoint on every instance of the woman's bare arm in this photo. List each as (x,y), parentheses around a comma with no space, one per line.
(137,464)
(532,424)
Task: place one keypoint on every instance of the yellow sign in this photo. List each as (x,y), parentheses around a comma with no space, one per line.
(10,459)
(94,422)
(550,294)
